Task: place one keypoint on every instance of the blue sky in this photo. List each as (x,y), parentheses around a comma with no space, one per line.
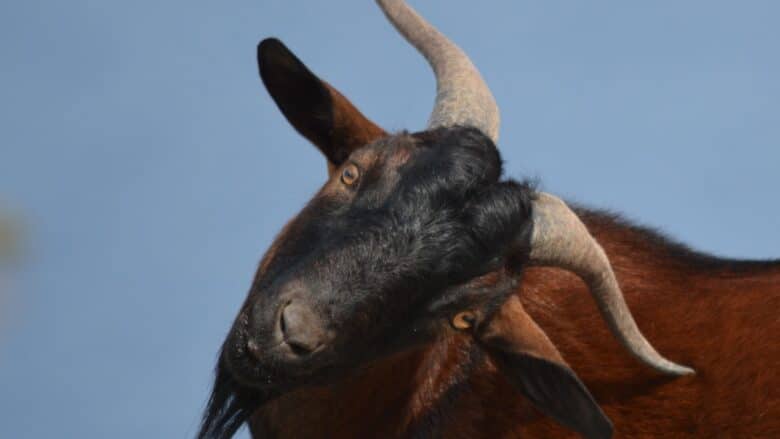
(152,170)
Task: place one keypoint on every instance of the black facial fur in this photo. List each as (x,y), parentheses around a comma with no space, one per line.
(371,264)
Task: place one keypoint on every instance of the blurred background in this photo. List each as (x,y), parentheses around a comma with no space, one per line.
(144,170)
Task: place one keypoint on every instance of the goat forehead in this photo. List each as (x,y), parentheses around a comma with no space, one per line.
(393,150)
(399,155)
(407,149)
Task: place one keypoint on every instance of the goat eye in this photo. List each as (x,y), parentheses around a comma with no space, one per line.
(464,320)
(350,174)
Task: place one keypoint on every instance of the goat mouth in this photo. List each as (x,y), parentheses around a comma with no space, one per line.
(242,364)
(273,371)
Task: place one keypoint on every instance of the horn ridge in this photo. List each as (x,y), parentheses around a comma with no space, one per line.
(560,239)
(462,96)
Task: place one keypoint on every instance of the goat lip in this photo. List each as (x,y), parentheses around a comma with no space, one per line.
(262,366)
(259,352)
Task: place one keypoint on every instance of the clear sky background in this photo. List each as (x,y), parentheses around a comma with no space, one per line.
(152,169)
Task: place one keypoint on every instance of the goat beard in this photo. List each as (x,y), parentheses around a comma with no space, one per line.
(230,405)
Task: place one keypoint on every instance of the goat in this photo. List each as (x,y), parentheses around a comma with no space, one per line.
(419,294)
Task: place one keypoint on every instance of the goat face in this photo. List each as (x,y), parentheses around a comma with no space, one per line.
(402,220)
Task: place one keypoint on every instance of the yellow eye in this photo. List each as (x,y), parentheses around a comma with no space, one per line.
(350,174)
(464,320)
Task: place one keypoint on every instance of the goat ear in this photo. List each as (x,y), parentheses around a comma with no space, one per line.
(530,361)
(314,108)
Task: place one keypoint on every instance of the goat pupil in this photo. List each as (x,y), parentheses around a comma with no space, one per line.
(349,175)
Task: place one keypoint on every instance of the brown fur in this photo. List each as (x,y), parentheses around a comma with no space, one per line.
(718,317)
(348,130)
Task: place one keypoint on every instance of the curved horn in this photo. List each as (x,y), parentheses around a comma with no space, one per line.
(560,239)
(462,97)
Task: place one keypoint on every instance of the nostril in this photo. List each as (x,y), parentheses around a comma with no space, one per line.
(300,329)
(282,322)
